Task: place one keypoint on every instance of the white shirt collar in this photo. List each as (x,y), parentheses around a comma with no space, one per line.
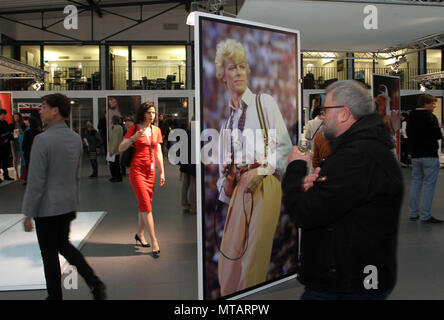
(247,98)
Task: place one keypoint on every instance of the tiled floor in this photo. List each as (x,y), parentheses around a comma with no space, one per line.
(133,273)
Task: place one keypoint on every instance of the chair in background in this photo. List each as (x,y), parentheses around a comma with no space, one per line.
(160,84)
(144,83)
(169,81)
(95,81)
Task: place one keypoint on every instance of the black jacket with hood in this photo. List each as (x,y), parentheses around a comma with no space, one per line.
(350,220)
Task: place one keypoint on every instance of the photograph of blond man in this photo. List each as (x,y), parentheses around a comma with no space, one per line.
(253,198)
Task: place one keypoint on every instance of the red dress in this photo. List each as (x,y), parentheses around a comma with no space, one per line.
(142,171)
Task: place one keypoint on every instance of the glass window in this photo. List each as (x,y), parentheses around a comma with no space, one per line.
(72,67)
(8,51)
(434,60)
(363,68)
(30,55)
(176,111)
(318,71)
(118,64)
(158,67)
(406,70)
(81,112)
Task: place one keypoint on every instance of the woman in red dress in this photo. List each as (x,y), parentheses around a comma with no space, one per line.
(147,140)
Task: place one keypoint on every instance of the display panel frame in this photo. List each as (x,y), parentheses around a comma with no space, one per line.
(199,138)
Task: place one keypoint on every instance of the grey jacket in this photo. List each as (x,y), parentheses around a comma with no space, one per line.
(54,173)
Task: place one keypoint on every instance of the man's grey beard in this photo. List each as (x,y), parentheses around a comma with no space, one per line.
(328,133)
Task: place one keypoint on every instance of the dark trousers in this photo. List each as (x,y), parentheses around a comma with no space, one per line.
(122,168)
(4,159)
(310,294)
(53,238)
(404,151)
(94,166)
(114,167)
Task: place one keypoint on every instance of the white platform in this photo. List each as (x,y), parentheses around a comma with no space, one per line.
(21,266)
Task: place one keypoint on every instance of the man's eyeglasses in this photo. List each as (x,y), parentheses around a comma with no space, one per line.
(323,110)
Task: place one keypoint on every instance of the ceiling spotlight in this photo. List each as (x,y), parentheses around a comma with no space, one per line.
(192,15)
(37,85)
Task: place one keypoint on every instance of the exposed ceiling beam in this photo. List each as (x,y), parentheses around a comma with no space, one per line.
(142,21)
(42,29)
(81,6)
(95,6)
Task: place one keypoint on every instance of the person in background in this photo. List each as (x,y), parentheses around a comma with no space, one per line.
(5,145)
(93,142)
(164,128)
(147,151)
(310,131)
(23,163)
(52,196)
(115,137)
(128,123)
(424,131)
(321,150)
(35,127)
(102,130)
(17,127)
(188,178)
(404,141)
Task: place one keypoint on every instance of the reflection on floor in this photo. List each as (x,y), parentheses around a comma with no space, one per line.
(22,267)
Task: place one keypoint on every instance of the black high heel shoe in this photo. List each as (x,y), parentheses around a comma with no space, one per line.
(156,253)
(145,245)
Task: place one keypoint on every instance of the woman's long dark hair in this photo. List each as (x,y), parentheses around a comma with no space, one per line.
(140,115)
(20,122)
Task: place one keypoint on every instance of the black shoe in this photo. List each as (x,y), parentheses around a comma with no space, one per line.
(414,218)
(8,178)
(115,180)
(93,176)
(99,291)
(432,220)
(1,180)
(145,245)
(156,253)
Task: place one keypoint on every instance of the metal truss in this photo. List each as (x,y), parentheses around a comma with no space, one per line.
(439,3)
(429,42)
(20,70)
(429,76)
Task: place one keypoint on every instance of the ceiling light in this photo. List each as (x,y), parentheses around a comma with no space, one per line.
(37,85)
(192,15)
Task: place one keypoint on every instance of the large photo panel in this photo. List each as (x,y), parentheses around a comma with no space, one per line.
(249,97)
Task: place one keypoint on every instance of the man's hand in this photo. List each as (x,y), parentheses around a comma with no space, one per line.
(295,154)
(27,224)
(310,179)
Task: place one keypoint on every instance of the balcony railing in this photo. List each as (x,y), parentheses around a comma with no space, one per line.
(69,78)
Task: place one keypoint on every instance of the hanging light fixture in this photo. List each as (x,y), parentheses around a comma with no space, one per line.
(192,15)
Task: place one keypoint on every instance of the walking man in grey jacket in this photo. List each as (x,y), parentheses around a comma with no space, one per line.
(52,196)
